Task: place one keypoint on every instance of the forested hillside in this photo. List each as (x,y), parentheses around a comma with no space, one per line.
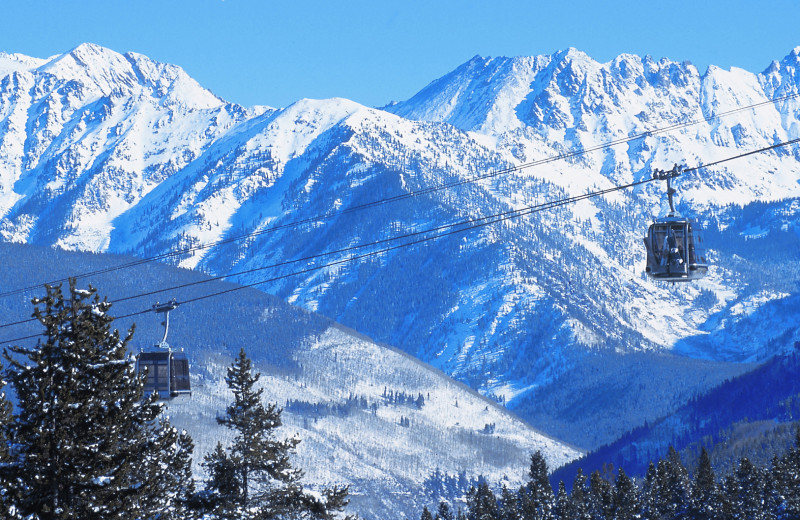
(748,416)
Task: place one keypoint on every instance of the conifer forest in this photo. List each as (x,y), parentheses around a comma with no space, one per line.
(668,492)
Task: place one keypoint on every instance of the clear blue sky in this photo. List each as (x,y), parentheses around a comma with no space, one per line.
(373,51)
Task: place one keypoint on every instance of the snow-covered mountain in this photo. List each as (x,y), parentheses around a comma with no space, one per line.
(107,152)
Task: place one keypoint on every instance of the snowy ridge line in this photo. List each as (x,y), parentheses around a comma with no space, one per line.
(469,226)
(416,193)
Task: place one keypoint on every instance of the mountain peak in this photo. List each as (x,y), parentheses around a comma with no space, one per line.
(793,58)
(571,53)
(110,71)
(172,81)
(92,64)
(88,49)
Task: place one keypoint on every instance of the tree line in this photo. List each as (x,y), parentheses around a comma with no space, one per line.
(667,492)
(84,441)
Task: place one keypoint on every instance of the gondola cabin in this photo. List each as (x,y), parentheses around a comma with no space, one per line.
(167,370)
(167,373)
(674,250)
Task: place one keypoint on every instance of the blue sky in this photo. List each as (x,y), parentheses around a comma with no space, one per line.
(275,52)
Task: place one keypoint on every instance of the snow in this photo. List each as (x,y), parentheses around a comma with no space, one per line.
(373,453)
(11,63)
(753,303)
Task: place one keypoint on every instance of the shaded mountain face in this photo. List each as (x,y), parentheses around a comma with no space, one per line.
(107,152)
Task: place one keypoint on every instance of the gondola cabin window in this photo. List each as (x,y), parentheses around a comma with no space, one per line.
(167,373)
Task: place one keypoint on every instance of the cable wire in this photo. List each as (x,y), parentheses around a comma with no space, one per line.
(410,194)
(469,225)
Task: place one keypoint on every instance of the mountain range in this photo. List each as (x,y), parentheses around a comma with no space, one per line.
(113,153)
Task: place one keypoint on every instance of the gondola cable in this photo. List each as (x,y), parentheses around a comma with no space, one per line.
(481,222)
(410,194)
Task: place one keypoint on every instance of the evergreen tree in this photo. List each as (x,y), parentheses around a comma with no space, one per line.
(705,502)
(481,503)
(223,494)
(86,444)
(626,503)
(536,497)
(677,485)
(578,499)
(175,484)
(7,499)
(651,494)
(667,488)
(6,411)
(772,502)
(745,490)
(510,504)
(563,506)
(444,512)
(426,514)
(599,498)
(786,471)
(255,478)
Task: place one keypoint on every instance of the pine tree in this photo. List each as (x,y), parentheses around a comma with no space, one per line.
(510,504)
(705,502)
(7,498)
(772,501)
(745,490)
(677,485)
(223,494)
(578,499)
(426,514)
(444,512)
(786,472)
(599,497)
(667,488)
(481,503)
(86,444)
(255,477)
(5,421)
(175,488)
(563,506)
(626,503)
(651,494)
(536,496)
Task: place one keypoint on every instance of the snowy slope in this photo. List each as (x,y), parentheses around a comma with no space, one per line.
(107,152)
(367,448)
